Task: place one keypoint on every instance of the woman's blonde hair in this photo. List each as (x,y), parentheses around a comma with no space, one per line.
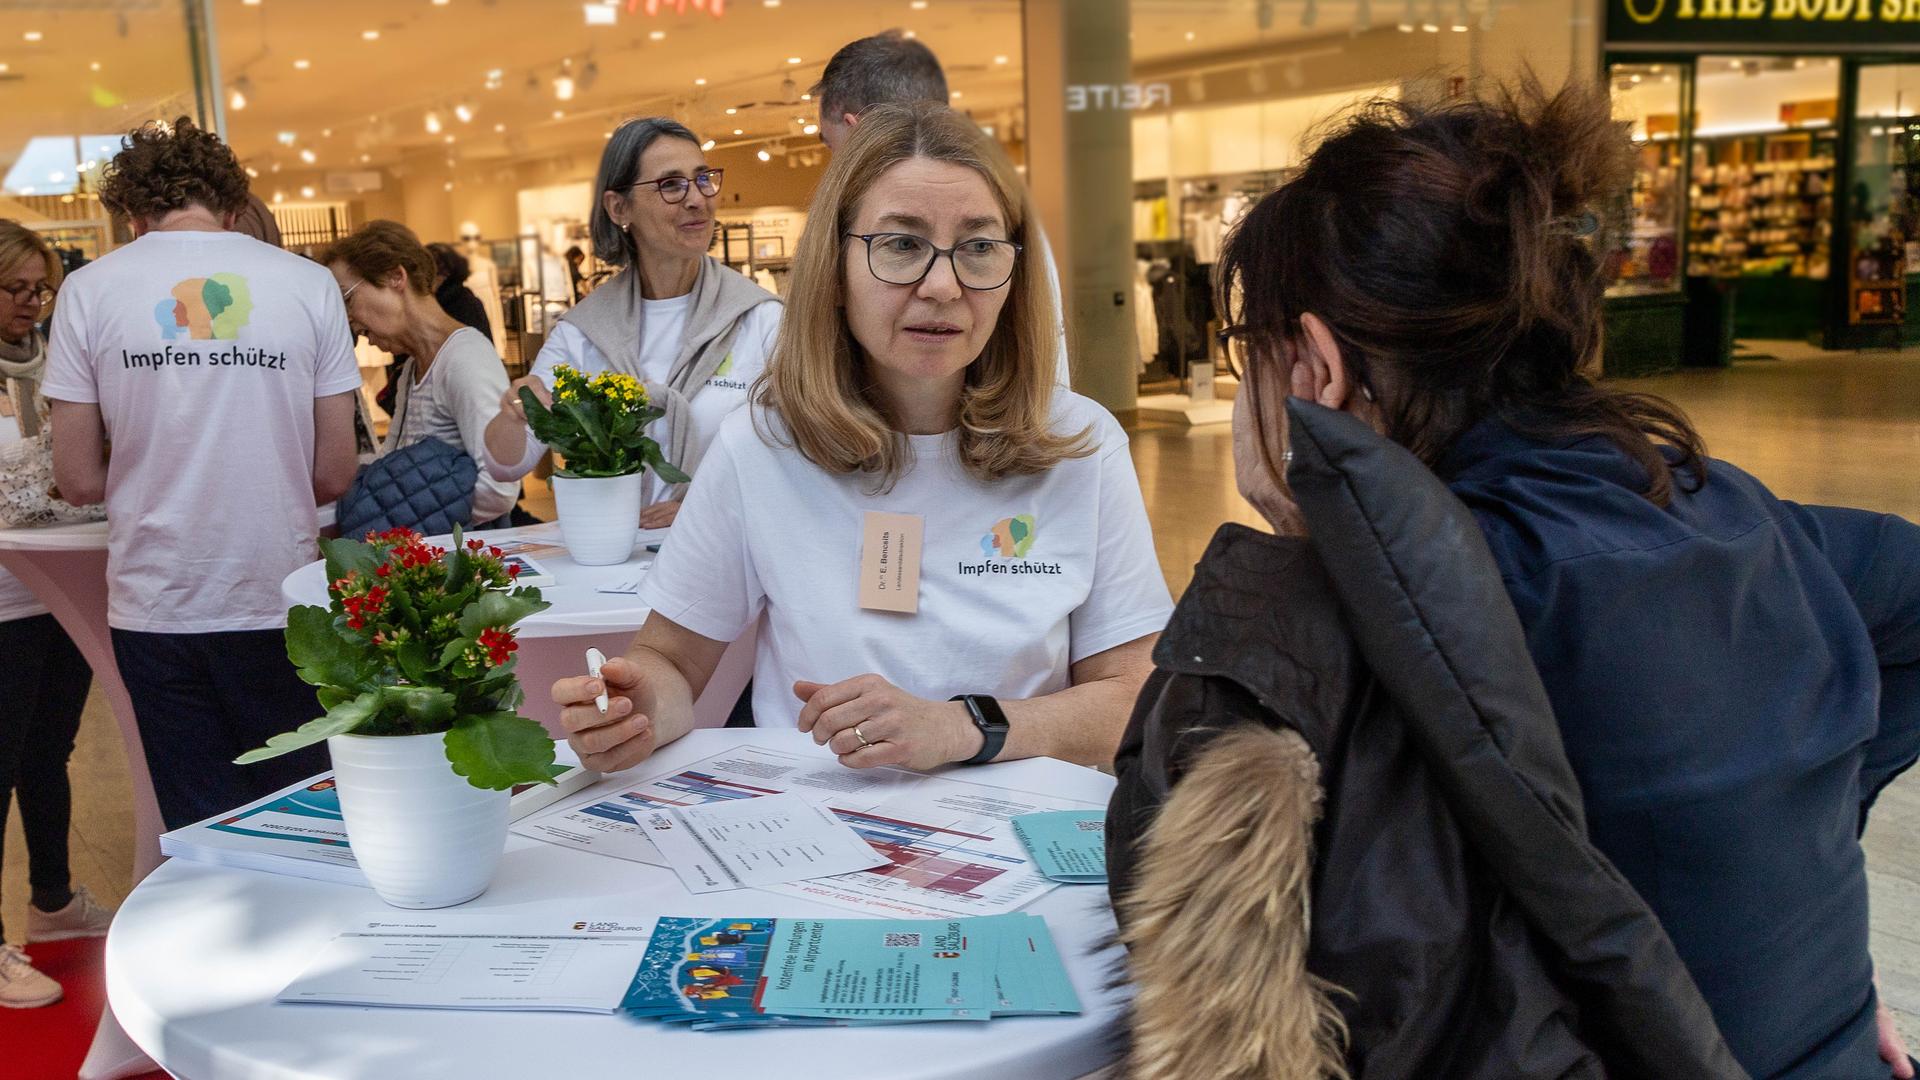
(817,377)
(20,245)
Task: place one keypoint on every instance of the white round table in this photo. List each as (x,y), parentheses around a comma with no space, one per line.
(198,954)
(554,642)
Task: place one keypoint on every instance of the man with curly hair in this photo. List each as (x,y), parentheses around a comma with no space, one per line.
(222,370)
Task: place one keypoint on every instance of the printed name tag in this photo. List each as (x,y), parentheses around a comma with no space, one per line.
(890,546)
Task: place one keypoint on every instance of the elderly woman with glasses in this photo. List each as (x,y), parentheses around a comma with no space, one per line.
(45,684)
(696,332)
(948,556)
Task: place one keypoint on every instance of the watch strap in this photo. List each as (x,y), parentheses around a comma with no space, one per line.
(991,720)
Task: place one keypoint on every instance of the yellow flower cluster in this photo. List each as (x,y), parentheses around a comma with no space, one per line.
(620,390)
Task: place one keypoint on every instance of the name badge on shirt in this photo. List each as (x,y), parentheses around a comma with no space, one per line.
(890,547)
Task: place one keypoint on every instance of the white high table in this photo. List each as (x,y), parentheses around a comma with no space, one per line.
(198,954)
(554,642)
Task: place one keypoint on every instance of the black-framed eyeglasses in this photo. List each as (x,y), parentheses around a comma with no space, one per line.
(905,259)
(673,189)
(23,292)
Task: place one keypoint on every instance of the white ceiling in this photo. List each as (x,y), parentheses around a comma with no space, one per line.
(359,103)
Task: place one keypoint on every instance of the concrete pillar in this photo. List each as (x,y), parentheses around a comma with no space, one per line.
(1080,169)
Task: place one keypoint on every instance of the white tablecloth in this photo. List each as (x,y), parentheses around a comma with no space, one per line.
(198,954)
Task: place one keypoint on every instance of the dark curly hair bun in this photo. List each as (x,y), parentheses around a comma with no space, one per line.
(166,167)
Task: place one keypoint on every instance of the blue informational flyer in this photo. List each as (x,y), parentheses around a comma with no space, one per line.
(721,974)
(1067,845)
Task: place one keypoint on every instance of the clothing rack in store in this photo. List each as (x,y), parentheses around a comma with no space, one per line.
(736,246)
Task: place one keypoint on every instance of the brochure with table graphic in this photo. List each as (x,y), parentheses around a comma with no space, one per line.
(490,962)
(949,845)
(718,974)
(764,841)
(1066,845)
(531,573)
(298,830)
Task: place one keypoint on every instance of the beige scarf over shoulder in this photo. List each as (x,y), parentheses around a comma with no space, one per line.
(613,318)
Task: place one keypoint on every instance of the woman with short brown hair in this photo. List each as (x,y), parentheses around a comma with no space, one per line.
(948,557)
(448,386)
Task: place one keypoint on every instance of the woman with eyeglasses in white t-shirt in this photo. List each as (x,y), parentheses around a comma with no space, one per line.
(948,558)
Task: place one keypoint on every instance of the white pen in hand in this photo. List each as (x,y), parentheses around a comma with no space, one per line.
(595,659)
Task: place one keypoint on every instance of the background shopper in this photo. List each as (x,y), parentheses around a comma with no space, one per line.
(449,386)
(693,330)
(222,370)
(43,679)
(914,377)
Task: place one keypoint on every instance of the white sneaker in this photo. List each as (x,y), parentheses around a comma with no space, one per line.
(21,987)
(82,917)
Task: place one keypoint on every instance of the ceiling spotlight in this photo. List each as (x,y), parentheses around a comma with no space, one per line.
(699,82)
(32,35)
(708,145)
(602,14)
(811,129)
(279,197)
(433,122)
(448,186)
(464,112)
(369,35)
(449,138)
(563,87)
(286,138)
(739,131)
(306,193)
(770,3)
(95,66)
(496,79)
(326,133)
(499,129)
(307,156)
(237,97)
(764,156)
(1190,35)
(559,114)
(302,64)
(1000,60)
(253,173)
(954,94)
(793,59)
(656,35)
(806,97)
(364,158)
(918,5)
(730,112)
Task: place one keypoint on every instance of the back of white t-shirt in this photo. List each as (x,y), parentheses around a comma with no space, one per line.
(205,352)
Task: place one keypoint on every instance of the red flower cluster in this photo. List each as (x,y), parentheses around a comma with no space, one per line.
(499,645)
(360,608)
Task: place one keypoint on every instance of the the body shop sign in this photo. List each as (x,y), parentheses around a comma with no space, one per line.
(1869,24)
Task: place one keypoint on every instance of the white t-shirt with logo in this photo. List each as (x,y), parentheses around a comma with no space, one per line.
(205,352)
(1020,578)
(665,321)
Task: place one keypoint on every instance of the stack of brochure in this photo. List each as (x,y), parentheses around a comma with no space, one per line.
(722,974)
(298,830)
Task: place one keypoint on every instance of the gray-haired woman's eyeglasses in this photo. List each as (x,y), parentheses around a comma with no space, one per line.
(673,189)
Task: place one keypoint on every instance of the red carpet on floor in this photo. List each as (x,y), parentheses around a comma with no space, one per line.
(50,1043)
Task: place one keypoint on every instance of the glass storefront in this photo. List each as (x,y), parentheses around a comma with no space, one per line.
(76,78)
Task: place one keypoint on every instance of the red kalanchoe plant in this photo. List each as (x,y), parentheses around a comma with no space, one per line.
(419,640)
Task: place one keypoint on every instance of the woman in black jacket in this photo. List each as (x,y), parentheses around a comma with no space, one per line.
(1719,684)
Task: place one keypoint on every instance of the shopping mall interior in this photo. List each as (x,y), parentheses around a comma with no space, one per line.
(1766,255)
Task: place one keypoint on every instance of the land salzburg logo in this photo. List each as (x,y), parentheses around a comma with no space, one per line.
(1009,540)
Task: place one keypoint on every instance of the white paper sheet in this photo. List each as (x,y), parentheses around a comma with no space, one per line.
(489,962)
(750,842)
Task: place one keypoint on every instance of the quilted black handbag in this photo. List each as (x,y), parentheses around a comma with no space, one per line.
(427,486)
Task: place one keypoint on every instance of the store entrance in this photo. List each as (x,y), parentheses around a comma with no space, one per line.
(1882,213)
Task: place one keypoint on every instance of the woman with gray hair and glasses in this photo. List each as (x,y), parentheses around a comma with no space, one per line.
(696,332)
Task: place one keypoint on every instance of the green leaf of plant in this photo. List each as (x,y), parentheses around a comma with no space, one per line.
(339,720)
(539,417)
(499,609)
(415,664)
(427,708)
(666,469)
(498,750)
(331,696)
(346,555)
(317,649)
(588,417)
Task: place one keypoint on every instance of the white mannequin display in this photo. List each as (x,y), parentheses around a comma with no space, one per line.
(483,279)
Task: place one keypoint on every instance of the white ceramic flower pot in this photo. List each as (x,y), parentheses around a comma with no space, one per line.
(424,837)
(599,516)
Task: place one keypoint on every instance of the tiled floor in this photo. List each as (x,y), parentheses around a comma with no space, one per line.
(1838,428)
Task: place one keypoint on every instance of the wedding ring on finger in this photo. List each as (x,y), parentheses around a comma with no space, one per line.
(863,739)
